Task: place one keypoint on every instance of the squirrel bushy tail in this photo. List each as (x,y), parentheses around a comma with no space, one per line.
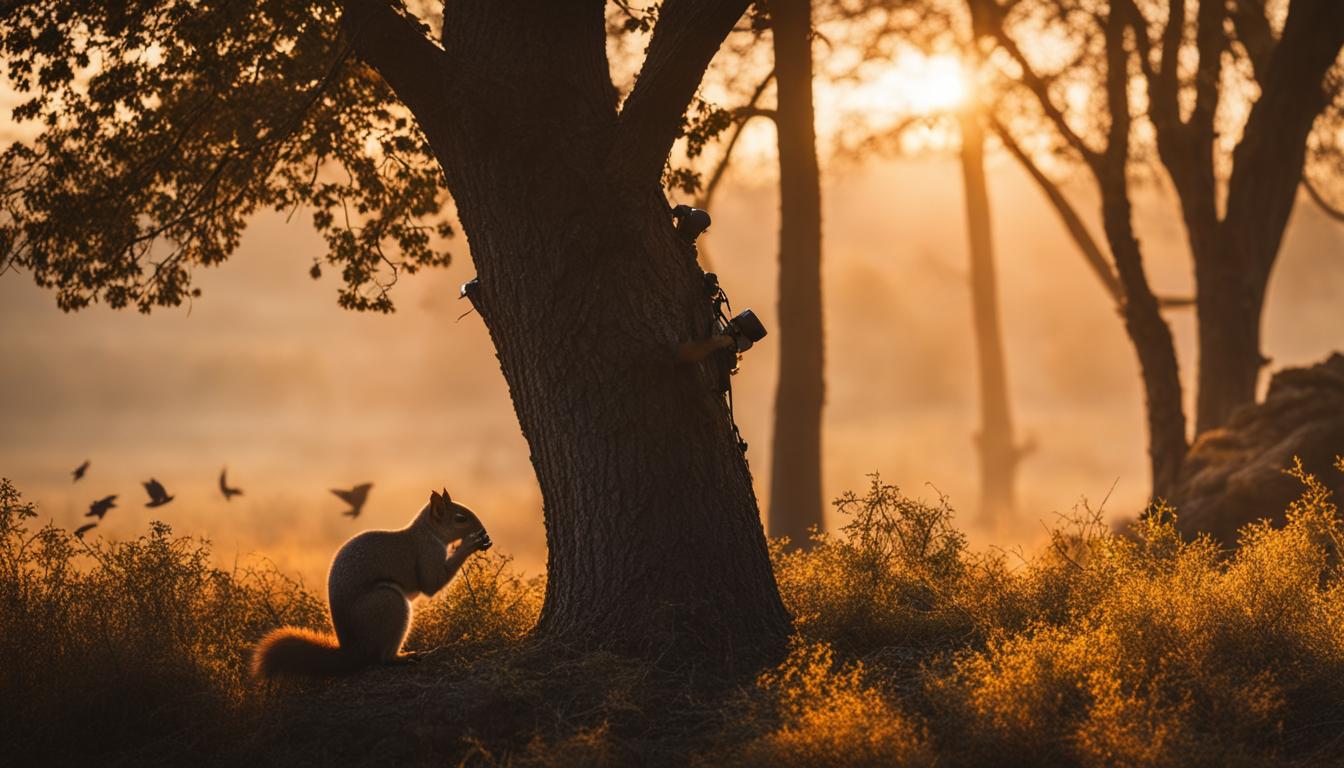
(295,652)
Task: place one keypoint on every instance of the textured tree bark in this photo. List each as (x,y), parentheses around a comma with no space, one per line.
(655,544)
(996,444)
(795,475)
(1233,275)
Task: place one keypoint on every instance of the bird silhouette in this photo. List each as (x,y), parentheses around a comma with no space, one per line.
(355,497)
(157,495)
(224,488)
(80,470)
(100,507)
(83,529)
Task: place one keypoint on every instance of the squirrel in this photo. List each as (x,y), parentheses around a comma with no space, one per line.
(373,579)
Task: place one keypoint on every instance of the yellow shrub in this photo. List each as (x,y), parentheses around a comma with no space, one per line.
(829,717)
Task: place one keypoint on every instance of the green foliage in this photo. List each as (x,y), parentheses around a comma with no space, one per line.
(165,125)
(702,124)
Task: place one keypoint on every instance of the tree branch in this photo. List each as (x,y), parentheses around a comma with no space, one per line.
(721,167)
(1041,89)
(1253,30)
(688,34)
(1320,201)
(394,43)
(1082,237)
(1173,35)
(1270,156)
(1210,42)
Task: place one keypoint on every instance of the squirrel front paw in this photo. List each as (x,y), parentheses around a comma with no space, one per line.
(480,541)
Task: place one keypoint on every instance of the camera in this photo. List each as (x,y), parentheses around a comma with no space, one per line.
(745,329)
(690,221)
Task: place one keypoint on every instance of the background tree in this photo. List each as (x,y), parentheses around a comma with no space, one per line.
(996,443)
(165,124)
(881,32)
(796,458)
(1173,55)
(796,500)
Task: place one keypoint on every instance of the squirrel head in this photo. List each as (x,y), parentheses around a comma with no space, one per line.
(450,520)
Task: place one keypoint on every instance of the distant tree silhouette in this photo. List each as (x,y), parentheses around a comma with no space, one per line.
(1235,197)
(800,394)
(166,124)
(996,442)
(880,30)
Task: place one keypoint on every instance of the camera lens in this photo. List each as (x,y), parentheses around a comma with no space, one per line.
(690,221)
(747,324)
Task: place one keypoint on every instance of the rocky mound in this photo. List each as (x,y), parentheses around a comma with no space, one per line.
(1234,475)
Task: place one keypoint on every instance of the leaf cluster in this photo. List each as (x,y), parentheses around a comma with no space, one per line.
(159,128)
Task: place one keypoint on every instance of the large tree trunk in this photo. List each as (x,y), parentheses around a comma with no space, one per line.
(1267,170)
(795,476)
(999,453)
(655,544)
(1229,309)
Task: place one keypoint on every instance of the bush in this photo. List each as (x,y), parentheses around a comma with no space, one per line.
(487,607)
(114,646)
(1143,649)
(829,715)
(1169,653)
(892,580)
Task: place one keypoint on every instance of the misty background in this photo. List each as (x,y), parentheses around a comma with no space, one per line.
(267,375)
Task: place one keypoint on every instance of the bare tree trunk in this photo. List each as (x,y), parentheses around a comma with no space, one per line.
(1153,344)
(998,450)
(1147,329)
(1267,170)
(795,476)
(655,544)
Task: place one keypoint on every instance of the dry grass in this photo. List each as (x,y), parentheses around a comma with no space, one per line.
(910,650)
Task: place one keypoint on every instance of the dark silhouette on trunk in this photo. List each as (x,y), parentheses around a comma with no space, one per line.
(995,443)
(654,536)
(795,475)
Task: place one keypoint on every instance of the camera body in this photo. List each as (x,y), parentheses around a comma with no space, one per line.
(735,334)
(745,329)
(690,222)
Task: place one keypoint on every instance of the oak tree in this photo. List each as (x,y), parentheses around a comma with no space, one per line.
(165,124)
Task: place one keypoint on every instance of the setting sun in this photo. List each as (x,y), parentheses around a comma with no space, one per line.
(910,85)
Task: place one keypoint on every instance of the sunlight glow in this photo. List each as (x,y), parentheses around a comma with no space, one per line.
(890,93)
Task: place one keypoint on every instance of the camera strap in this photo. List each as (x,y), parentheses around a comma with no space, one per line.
(720,299)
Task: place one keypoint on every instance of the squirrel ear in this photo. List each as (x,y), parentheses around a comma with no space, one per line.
(435,501)
(447,499)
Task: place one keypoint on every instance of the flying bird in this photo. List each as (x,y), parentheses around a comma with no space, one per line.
(224,488)
(157,495)
(80,470)
(355,497)
(83,529)
(100,507)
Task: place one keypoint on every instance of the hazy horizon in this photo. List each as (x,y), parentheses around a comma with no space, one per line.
(267,375)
